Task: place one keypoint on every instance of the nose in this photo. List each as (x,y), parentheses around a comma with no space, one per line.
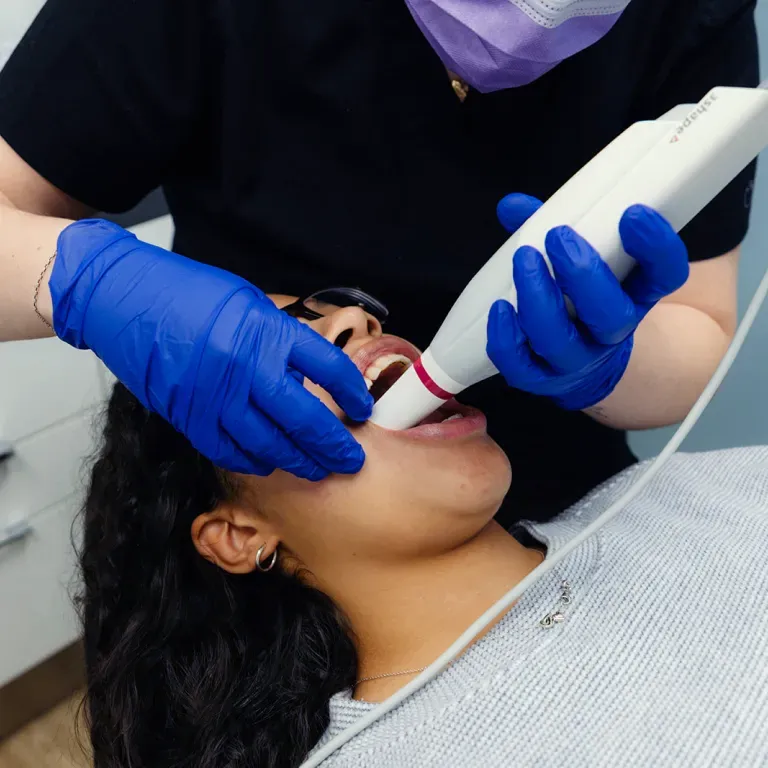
(350,323)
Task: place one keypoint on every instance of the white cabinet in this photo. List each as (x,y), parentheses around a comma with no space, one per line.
(51,397)
(36,588)
(45,468)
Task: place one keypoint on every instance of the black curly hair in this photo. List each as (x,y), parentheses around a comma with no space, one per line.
(189,666)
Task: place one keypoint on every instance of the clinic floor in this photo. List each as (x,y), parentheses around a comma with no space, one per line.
(48,742)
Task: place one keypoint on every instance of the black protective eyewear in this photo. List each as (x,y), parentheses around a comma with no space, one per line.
(325,302)
(322,303)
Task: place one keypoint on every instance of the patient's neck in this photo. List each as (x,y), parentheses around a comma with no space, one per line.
(405,615)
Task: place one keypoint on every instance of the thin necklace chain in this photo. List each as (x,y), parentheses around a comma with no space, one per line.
(390,674)
(417,671)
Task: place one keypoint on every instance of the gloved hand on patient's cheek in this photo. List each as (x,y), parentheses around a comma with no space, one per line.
(578,362)
(209,352)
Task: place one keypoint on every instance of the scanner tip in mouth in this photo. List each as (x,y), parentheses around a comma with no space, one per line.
(386,377)
(383,361)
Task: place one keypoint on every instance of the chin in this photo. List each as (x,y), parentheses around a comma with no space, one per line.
(465,491)
(485,472)
(470,480)
(425,498)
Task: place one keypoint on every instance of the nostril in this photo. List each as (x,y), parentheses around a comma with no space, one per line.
(373,324)
(343,338)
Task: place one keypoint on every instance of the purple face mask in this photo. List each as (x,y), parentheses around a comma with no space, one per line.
(496,44)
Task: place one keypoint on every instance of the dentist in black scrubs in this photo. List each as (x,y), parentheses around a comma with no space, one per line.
(303,145)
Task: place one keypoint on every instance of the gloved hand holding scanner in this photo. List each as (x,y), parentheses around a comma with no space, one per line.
(539,348)
(209,352)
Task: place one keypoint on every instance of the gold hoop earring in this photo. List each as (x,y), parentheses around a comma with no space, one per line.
(270,565)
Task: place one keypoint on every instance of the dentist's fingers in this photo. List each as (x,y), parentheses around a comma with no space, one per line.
(515,209)
(326,365)
(660,253)
(268,448)
(507,346)
(600,302)
(543,315)
(310,425)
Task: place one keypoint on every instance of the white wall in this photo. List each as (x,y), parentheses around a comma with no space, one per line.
(15,17)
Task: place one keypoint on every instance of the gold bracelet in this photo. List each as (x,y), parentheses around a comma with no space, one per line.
(37,290)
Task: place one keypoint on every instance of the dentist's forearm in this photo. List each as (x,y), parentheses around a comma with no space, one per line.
(27,243)
(677,349)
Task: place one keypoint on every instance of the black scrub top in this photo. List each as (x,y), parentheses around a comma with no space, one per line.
(312,143)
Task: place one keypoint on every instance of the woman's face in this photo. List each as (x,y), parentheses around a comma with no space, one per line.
(419,491)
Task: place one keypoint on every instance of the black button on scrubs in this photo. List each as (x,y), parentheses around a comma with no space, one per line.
(303,144)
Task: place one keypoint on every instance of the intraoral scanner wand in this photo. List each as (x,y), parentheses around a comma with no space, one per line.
(676,164)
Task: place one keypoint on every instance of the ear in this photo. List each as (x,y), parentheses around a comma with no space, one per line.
(231,538)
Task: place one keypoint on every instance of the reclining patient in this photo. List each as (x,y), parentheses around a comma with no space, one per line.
(236,621)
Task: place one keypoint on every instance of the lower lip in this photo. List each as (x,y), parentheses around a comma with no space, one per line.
(472,422)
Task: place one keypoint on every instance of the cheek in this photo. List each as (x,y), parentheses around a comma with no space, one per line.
(372,515)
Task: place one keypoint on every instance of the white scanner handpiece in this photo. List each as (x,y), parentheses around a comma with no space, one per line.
(425,386)
(675,167)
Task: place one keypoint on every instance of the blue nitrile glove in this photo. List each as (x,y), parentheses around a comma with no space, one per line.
(209,352)
(539,348)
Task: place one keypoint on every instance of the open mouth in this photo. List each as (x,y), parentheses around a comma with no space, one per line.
(384,361)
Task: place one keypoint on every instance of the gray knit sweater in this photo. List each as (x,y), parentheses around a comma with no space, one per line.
(662,659)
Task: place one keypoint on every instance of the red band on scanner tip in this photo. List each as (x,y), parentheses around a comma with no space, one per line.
(426,380)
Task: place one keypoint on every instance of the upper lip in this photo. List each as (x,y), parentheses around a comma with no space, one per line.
(386,345)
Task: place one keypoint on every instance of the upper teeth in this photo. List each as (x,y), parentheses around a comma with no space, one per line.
(379,364)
